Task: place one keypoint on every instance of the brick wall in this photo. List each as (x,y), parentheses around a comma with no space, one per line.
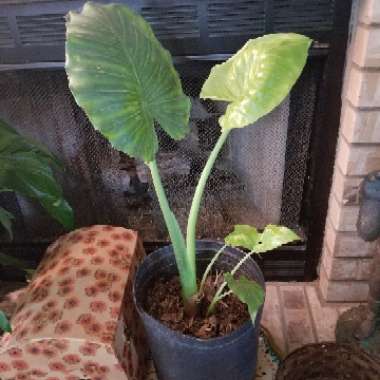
(346,259)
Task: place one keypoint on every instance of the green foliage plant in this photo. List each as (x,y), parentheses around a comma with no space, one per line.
(26,168)
(125,81)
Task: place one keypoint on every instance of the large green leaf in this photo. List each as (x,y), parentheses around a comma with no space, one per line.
(257,78)
(4,323)
(124,79)
(272,237)
(243,236)
(248,291)
(26,169)
(6,221)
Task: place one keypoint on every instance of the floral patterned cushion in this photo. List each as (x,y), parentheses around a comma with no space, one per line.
(76,318)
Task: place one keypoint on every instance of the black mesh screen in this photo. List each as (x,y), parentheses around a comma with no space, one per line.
(106,186)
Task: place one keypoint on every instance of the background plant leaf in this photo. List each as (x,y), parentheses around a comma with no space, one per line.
(243,236)
(124,79)
(4,323)
(6,221)
(25,168)
(248,291)
(257,78)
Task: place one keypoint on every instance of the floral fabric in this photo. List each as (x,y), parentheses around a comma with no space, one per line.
(76,319)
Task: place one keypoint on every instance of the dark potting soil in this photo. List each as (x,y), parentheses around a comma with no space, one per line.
(164,303)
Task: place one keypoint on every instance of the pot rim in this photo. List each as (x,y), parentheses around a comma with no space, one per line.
(189,339)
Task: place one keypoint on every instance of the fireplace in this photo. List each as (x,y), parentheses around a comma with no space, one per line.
(275,172)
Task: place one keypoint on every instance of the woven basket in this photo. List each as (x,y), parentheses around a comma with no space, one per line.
(329,361)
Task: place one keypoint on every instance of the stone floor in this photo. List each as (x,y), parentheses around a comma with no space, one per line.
(294,315)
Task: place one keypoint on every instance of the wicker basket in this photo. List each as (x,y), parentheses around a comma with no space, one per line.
(329,361)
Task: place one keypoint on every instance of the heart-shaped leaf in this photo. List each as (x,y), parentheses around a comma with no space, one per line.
(243,236)
(257,78)
(26,169)
(124,79)
(248,291)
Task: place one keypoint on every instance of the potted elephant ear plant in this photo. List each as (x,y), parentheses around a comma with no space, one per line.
(126,83)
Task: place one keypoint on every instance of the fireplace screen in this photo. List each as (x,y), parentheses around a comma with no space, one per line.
(106,186)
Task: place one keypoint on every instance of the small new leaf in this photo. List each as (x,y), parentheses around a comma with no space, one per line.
(4,323)
(273,237)
(243,236)
(248,291)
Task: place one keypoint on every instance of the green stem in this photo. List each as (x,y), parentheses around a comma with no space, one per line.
(209,267)
(198,195)
(218,295)
(186,271)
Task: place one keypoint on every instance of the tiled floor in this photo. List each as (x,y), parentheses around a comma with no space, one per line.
(295,316)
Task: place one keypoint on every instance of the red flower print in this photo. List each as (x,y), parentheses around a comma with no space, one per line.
(98,306)
(103,285)
(39,294)
(20,365)
(47,281)
(103,243)
(104,369)
(115,311)
(66,281)
(65,290)
(128,235)
(37,327)
(49,305)
(62,327)
(114,296)
(115,262)
(65,269)
(54,315)
(120,247)
(116,236)
(71,303)
(33,349)
(75,237)
(91,291)
(57,366)
(108,228)
(89,349)
(38,373)
(66,253)
(4,367)
(89,239)
(113,277)
(100,274)
(23,333)
(110,326)
(85,319)
(94,328)
(97,260)
(107,338)
(89,251)
(37,317)
(90,368)
(15,352)
(83,272)
(52,265)
(71,359)
(52,378)
(77,262)
(22,376)
(61,345)
(49,352)
(72,377)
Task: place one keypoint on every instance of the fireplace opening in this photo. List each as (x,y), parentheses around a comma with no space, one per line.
(266,173)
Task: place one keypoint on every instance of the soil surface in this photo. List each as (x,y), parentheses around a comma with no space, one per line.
(164,303)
